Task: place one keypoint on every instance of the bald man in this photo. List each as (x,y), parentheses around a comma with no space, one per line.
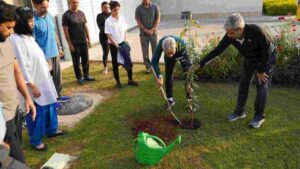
(175,50)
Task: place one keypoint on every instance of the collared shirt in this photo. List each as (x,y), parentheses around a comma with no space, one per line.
(117,28)
(257,47)
(101,18)
(45,35)
(75,21)
(8,87)
(34,69)
(147,16)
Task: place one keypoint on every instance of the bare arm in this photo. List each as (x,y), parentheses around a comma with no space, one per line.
(61,53)
(112,40)
(23,90)
(156,24)
(87,32)
(140,25)
(66,32)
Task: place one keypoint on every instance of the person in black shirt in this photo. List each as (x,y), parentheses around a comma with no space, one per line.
(259,57)
(101,17)
(77,34)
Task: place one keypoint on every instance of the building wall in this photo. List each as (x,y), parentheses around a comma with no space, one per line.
(212,8)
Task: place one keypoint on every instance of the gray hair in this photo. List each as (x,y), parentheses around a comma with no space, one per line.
(169,44)
(234,21)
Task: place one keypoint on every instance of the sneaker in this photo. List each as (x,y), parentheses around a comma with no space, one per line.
(105,70)
(89,78)
(119,85)
(63,99)
(132,83)
(171,103)
(80,81)
(234,116)
(58,105)
(257,122)
(148,71)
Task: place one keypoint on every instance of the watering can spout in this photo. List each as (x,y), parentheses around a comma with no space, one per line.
(171,146)
(150,149)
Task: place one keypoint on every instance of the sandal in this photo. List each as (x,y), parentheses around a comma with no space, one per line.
(44,148)
(58,133)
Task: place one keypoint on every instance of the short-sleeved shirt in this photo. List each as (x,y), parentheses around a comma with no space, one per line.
(101,18)
(8,87)
(117,28)
(147,16)
(75,21)
(44,33)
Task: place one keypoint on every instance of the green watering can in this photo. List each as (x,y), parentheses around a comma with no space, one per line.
(150,149)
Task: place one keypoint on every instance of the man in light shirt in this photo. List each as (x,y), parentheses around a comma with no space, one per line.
(11,81)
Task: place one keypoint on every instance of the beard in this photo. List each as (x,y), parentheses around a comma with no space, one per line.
(2,38)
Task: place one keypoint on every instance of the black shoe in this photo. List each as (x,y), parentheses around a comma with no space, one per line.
(119,85)
(80,81)
(89,78)
(132,83)
(58,133)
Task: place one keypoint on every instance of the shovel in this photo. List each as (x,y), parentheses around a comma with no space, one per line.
(161,89)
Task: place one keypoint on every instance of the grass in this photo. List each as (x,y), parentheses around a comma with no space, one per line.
(104,140)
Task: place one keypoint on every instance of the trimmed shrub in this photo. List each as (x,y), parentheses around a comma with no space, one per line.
(279,7)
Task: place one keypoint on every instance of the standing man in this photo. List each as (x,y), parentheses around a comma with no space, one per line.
(147,16)
(78,37)
(259,58)
(46,37)
(11,80)
(102,36)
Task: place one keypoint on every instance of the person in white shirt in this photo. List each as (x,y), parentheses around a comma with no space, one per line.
(116,30)
(38,79)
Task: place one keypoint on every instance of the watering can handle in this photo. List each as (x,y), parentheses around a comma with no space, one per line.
(134,144)
(158,140)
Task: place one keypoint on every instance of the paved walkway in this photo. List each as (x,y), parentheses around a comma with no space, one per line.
(175,27)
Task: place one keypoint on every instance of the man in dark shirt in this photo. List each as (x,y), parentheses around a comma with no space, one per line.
(102,36)
(77,34)
(175,50)
(259,57)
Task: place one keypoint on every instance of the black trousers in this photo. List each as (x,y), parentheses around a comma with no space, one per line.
(114,58)
(248,72)
(13,137)
(169,68)
(105,50)
(81,52)
(7,162)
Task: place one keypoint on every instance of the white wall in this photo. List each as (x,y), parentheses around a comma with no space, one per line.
(175,7)
(128,11)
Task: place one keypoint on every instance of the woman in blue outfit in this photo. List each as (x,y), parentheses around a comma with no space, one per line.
(38,79)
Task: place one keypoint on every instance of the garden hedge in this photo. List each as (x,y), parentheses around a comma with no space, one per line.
(279,7)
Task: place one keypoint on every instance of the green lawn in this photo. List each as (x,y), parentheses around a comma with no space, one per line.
(104,139)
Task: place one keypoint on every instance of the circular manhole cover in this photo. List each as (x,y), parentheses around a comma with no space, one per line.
(76,104)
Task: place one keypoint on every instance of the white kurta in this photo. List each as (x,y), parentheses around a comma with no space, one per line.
(117,28)
(2,124)
(35,69)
